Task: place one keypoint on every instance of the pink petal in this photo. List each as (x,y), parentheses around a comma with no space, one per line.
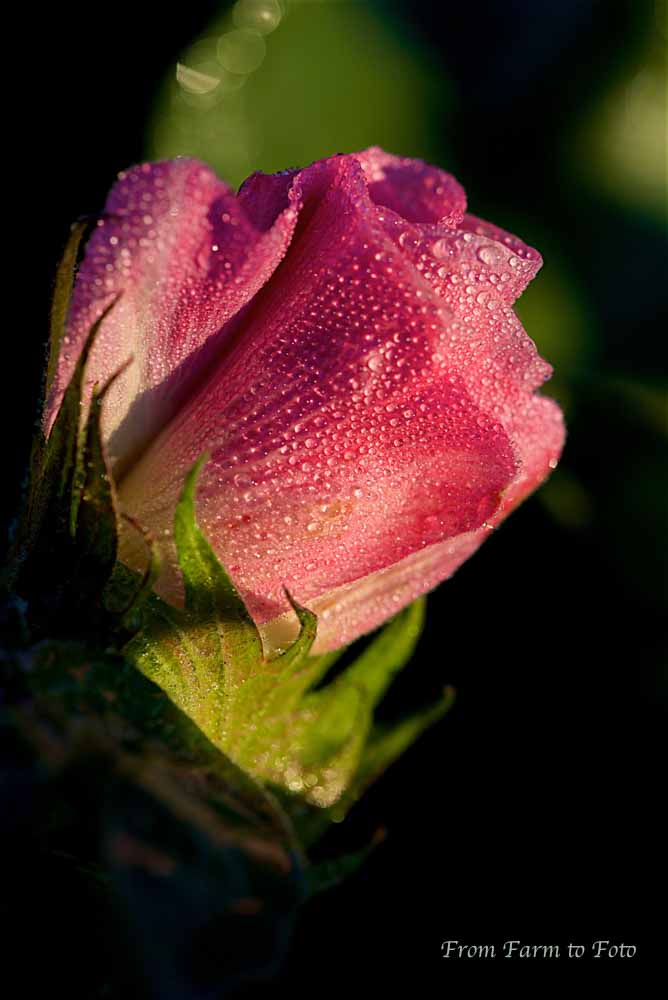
(504,260)
(413,189)
(369,406)
(356,608)
(350,611)
(342,434)
(185,257)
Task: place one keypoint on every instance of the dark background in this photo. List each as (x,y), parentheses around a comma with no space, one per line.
(535,810)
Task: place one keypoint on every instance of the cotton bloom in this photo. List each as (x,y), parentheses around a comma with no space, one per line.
(340,340)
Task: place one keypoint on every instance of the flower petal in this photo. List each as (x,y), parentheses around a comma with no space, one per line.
(414,190)
(342,434)
(185,257)
(369,407)
(358,607)
(498,257)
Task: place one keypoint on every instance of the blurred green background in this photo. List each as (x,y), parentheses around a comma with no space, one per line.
(535,809)
(268,84)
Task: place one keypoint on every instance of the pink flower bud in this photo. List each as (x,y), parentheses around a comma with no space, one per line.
(341,341)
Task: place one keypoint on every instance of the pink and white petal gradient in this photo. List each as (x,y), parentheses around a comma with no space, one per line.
(341,341)
(184,257)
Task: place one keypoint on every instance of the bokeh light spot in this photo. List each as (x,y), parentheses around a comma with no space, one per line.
(241,51)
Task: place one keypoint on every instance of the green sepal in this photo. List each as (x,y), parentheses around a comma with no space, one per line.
(60,304)
(272,715)
(62,296)
(127,591)
(387,743)
(387,654)
(67,536)
(208,656)
(58,482)
(210,596)
(93,519)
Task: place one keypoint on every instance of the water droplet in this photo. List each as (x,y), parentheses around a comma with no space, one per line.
(491,255)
